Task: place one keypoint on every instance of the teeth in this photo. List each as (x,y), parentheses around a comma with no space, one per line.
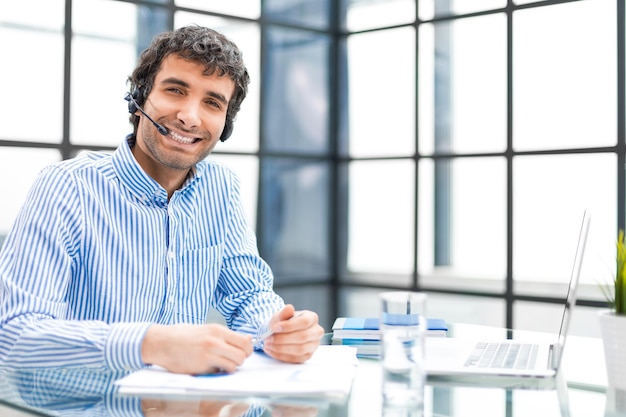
(181,139)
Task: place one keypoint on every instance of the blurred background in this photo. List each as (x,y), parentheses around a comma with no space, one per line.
(444,146)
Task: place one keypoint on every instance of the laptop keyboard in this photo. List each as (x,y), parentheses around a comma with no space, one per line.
(503,355)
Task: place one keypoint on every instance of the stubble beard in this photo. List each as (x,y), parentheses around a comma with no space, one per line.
(172,160)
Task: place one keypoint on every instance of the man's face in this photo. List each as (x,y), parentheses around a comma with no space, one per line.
(192,106)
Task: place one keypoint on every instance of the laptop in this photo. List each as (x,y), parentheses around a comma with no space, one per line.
(507,362)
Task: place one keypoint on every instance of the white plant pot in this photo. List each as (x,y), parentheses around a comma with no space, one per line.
(613,331)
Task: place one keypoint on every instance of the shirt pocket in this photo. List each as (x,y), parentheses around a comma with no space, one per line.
(199,271)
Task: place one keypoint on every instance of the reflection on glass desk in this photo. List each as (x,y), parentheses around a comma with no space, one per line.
(84,392)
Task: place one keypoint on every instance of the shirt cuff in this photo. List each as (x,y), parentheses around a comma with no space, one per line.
(122,351)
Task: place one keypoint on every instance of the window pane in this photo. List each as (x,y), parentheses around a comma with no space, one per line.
(381,117)
(463,94)
(246,36)
(296,91)
(50,15)
(99,113)
(315,298)
(565,89)
(368,14)
(462,236)
(105,46)
(244,8)
(428,9)
(482,311)
(104,18)
(306,12)
(380,216)
(356,302)
(550,195)
(28,163)
(295,218)
(584,321)
(526,313)
(33,87)
(247,169)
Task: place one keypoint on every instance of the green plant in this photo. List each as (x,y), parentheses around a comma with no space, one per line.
(620,273)
(616,295)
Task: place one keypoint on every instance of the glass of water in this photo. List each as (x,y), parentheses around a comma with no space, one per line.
(403,329)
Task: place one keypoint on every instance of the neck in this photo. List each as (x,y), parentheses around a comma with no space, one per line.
(170,179)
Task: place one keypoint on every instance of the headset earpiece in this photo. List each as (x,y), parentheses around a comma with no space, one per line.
(132,107)
(228,130)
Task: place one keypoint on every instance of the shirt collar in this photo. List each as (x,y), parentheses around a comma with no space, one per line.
(142,185)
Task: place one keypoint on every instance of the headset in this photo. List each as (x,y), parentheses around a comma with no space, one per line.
(133,107)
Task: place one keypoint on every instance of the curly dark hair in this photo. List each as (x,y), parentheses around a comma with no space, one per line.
(196,43)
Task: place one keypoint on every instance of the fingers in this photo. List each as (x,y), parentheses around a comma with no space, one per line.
(295,410)
(297,321)
(222,408)
(297,352)
(204,408)
(283,315)
(194,349)
(209,348)
(225,349)
(295,340)
(212,348)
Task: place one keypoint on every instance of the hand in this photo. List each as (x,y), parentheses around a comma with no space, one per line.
(195,349)
(285,410)
(293,340)
(157,408)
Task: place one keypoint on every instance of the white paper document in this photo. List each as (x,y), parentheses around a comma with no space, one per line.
(330,371)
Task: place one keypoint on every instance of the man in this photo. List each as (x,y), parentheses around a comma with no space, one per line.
(115,260)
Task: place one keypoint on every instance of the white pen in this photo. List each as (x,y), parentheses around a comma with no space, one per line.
(257,340)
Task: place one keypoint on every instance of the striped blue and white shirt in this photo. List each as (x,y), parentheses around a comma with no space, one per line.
(98,254)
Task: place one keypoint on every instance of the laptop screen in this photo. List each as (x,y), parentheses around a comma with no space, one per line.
(570,300)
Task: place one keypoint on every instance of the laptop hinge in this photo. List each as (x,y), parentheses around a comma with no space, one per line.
(553,356)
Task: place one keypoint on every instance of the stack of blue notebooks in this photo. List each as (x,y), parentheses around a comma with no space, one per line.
(364,334)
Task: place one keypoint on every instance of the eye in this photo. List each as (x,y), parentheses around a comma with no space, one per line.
(214,103)
(174,90)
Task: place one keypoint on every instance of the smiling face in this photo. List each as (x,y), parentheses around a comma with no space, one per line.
(192,106)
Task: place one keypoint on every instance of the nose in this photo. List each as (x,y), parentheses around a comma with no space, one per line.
(189,113)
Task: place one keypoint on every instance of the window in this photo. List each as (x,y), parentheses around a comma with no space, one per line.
(449,147)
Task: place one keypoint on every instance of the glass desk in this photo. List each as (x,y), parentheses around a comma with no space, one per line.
(582,392)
